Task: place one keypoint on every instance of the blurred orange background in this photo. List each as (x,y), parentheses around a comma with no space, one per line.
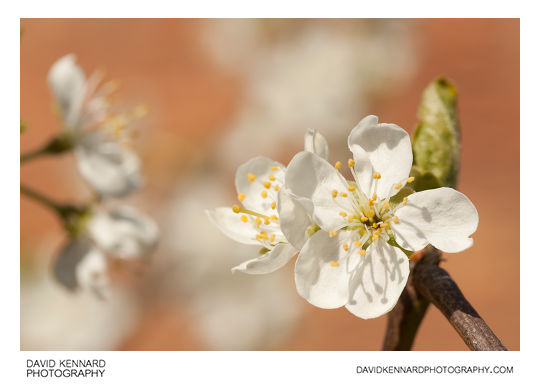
(193,98)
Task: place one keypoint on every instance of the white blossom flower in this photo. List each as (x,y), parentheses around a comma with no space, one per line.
(121,232)
(124,232)
(100,137)
(270,216)
(355,261)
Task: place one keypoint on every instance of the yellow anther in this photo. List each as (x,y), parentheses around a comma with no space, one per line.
(357,243)
(267,184)
(376,175)
(351,218)
(334,193)
(410,179)
(370,213)
(405,200)
(384,225)
(272,177)
(275,168)
(343,213)
(111,85)
(244,218)
(362,252)
(374,197)
(251,177)
(241,196)
(375,237)
(264,194)
(332,233)
(374,225)
(257,222)
(140,111)
(351,163)
(344,194)
(276,187)
(273,238)
(266,221)
(346,247)
(264,235)
(235,208)
(273,205)
(334,264)
(395,219)
(378,232)
(337,165)
(351,189)
(386,204)
(370,202)
(274,217)
(363,219)
(398,186)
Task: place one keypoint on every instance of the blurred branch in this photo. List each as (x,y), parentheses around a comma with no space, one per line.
(33,154)
(35,195)
(59,144)
(428,283)
(66,211)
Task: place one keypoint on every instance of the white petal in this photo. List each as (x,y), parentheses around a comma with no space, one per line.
(294,219)
(315,142)
(317,281)
(442,217)
(230,224)
(110,168)
(261,168)
(81,265)
(124,232)
(68,85)
(271,261)
(388,148)
(311,177)
(378,281)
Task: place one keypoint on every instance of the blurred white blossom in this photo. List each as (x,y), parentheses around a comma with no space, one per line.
(119,232)
(54,319)
(101,138)
(297,75)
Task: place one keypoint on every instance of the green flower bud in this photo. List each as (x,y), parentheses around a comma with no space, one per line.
(436,139)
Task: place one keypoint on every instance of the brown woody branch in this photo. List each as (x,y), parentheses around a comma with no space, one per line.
(428,283)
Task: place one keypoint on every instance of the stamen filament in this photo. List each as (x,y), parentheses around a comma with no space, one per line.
(237,209)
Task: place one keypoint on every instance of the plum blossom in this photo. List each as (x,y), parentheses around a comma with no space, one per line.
(269,215)
(100,138)
(357,259)
(121,232)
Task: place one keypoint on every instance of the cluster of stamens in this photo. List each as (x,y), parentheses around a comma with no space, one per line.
(258,219)
(370,216)
(117,126)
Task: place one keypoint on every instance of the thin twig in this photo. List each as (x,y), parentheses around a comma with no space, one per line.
(57,145)
(436,285)
(40,198)
(428,283)
(33,154)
